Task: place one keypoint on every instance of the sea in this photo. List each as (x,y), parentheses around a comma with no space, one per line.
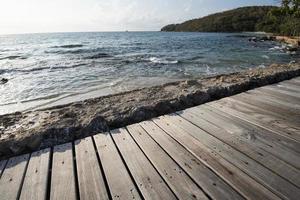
(50,69)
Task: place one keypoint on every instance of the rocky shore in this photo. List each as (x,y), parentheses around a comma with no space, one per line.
(295,41)
(29,131)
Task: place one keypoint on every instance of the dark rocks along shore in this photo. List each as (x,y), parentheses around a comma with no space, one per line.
(30,131)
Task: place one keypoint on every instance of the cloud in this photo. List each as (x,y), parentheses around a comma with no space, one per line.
(104,15)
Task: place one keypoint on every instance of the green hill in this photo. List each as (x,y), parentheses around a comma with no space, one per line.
(237,20)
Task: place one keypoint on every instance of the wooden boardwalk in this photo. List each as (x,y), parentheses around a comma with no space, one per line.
(242,147)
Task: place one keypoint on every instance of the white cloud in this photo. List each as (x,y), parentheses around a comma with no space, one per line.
(102,15)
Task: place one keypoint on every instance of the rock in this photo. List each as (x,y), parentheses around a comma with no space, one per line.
(267,38)
(291,48)
(3,81)
(191,82)
(30,131)
(262,39)
(253,39)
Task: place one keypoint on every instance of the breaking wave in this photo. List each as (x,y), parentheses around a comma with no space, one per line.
(162,61)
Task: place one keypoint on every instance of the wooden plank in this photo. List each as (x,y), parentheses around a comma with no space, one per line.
(90,179)
(231,134)
(289,86)
(63,178)
(150,183)
(235,177)
(269,140)
(274,102)
(36,179)
(213,185)
(278,99)
(277,95)
(290,116)
(174,175)
(286,92)
(261,174)
(295,81)
(114,168)
(2,166)
(264,121)
(12,177)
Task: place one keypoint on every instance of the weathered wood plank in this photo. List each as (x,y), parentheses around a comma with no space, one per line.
(237,137)
(90,179)
(277,95)
(114,168)
(265,121)
(213,185)
(36,178)
(286,92)
(63,178)
(176,178)
(278,99)
(261,174)
(150,183)
(269,140)
(290,116)
(295,81)
(235,177)
(12,177)
(2,166)
(289,86)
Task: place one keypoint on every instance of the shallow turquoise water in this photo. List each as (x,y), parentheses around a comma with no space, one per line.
(56,68)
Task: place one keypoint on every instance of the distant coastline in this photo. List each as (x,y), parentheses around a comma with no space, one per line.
(282,20)
(243,19)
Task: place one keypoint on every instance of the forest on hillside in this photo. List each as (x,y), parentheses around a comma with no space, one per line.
(283,20)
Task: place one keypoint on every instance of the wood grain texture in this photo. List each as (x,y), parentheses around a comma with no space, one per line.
(261,174)
(269,137)
(256,118)
(36,179)
(276,98)
(212,184)
(288,115)
(150,183)
(266,139)
(12,177)
(114,168)
(238,179)
(174,175)
(63,178)
(286,92)
(245,140)
(90,179)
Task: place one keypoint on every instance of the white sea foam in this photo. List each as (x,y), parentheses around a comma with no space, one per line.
(265,56)
(162,61)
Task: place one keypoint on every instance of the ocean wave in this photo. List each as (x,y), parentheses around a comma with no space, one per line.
(277,48)
(98,55)
(77,51)
(13,57)
(28,70)
(265,56)
(162,61)
(69,46)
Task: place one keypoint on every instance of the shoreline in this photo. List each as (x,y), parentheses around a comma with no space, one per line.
(34,130)
(294,41)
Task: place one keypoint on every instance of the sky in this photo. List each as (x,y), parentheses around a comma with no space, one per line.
(34,16)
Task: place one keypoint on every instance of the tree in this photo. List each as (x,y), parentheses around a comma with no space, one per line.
(296,5)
